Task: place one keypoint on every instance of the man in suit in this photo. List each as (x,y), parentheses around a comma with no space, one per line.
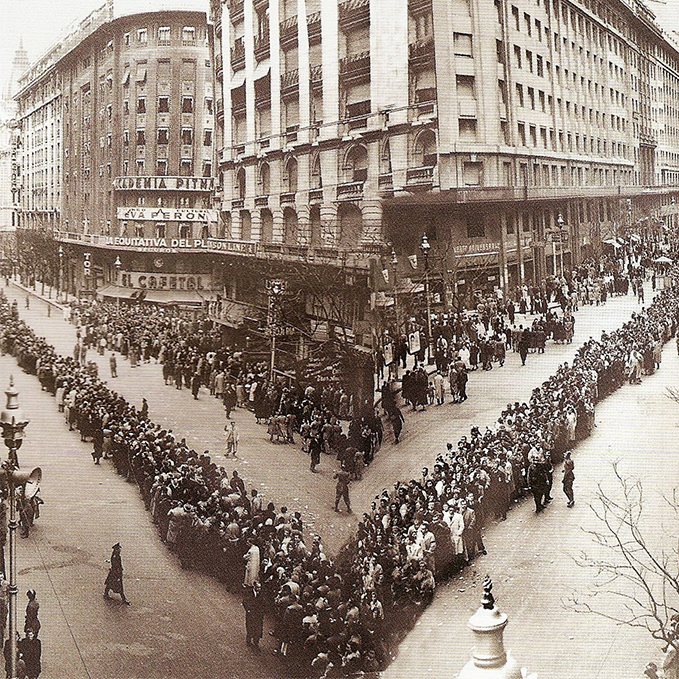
(253,603)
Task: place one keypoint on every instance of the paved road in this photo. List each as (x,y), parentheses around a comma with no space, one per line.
(281,472)
(532,558)
(179,621)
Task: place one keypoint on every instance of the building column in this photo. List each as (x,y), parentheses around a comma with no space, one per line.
(303,225)
(329,45)
(256,226)
(303,70)
(278,225)
(329,225)
(372,222)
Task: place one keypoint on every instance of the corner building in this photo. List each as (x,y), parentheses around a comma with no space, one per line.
(351,128)
(136,134)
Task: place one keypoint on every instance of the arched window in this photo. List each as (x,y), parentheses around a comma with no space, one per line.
(290,223)
(424,152)
(385,158)
(356,164)
(264,179)
(351,224)
(290,176)
(266,219)
(316,177)
(240,183)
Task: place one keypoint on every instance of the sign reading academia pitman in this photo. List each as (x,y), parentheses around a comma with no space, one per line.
(164,214)
(164,183)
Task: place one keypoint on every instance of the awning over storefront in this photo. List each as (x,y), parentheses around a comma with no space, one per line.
(117,291)
(174,296)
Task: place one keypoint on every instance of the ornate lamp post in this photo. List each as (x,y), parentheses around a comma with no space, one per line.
(394,264)
(560,236)
(275,289)
(118,264)
(60,272)
(425,248)
(13,423)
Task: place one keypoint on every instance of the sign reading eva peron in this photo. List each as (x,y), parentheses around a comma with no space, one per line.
(162,183)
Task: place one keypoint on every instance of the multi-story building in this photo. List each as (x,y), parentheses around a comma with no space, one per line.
(488,125)
(118,142)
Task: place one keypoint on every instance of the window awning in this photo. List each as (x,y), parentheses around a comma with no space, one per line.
(126,77)
(141,73)
(261,70)
(238,79)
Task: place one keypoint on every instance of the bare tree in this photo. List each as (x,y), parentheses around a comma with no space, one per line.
(642,577)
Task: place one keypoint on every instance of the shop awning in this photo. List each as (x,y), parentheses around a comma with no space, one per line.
(117,292)
(175,296)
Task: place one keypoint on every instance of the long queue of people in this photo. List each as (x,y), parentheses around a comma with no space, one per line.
(335,617)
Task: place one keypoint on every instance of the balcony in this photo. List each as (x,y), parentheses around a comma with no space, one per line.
(262,201)
(238,54)
(316,76)
(238,204)
(355,68)
(313,23)
(235,11)
(290,82)
(316,195)
(420,177)
(350,191)
(220,109)
(386,182)
(262,48)
(421,54)
(288,197)
(354,13)
(288,32)
(219,66)
(419,6)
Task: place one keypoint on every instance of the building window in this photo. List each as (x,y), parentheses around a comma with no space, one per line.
(126,39)
(108,169)
(207,138)
(126,107)
(163,136)
(164,35)
(207,168)
(140,166)
(163,104)
(139,230)
(126,167)
(208,106)
(472,173)
(463,44)
(141,137)
(185,167)
(141,105)
(142,35)
(160,229)
(126,137)
(161,167)
(140,77)
(185,230)
(187,136)
(467,129)
(188,35)
(465,86)
(475,227)
(187,104)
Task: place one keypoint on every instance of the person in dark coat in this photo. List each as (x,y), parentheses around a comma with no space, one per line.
(114,579)
(32,623)
(253,603)
(568,478)
(30,651)
(195,385)
(229,399)
(396,418)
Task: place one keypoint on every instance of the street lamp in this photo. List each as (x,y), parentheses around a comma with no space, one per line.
(425,248)
(560,236)
(118,264)
(275,289)
(60,272)
(397,335)
(13,423)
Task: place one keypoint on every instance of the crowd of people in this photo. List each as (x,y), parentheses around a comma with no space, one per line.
(334,616)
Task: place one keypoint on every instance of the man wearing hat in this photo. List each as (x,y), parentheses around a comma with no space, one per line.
(114,579)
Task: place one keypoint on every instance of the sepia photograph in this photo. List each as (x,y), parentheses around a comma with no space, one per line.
(339,339)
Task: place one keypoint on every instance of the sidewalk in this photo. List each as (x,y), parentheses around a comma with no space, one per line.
(281,472)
